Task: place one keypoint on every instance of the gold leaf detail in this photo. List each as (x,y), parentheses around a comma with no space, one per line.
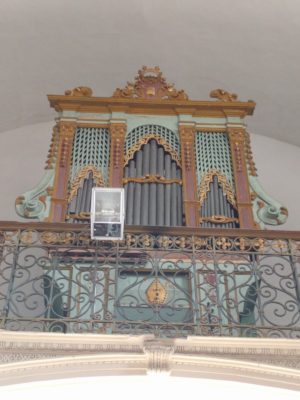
(145,140)
(150,84)
(82,91)
(156,293)
(222,95)
(81,175)
(222,180)
(219,219)
(151,179)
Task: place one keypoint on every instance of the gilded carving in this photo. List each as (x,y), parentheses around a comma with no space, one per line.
(222,180)
(67,129)
(82,91)
(52,153)
(27,237)
(150,84)
(218,219)
(224,243)
(222,95)
(249,155)
(56,237)
(83,216)
(156,293)
(152,179)
(98,179)
(187,141)
(145,140)
(117,132)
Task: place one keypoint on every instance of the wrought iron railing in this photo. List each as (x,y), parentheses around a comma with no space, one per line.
(170,282)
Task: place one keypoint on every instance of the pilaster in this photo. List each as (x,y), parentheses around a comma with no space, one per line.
(190,201)
(237,139)
(60,190)
(117,138)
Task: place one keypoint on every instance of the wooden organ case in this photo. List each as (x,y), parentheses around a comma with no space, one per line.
(182,162)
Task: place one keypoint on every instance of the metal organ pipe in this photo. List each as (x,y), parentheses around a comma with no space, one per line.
(173,195)
(90,182)
(179,199)
(216,204)
(168,190)
(155,202)
(145,186)
(160,188)
(138,190)
(152,194)
(130,194)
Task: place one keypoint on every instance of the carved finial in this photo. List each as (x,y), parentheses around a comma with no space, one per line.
(150,84)
(82,91)
(223,95)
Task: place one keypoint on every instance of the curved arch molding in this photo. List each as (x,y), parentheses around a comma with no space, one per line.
(26,357)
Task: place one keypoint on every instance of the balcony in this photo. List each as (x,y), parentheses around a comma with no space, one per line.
(167,282)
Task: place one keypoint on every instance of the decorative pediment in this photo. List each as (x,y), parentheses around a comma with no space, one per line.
(150,84)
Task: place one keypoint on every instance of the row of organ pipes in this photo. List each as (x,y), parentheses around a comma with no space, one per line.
(216,204)
(153,203)
(156,204)
(81,202)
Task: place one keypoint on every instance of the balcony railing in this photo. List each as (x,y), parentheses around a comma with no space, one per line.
(170,282)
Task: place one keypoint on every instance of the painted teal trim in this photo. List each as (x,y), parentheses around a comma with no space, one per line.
(169,122)
(235,120)
(31,206)
(91,147)
(266,210)
(142,131)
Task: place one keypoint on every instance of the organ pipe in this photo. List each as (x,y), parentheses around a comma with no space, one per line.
(155,202)
(216,205)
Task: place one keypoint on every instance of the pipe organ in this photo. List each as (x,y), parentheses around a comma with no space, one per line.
(182,162)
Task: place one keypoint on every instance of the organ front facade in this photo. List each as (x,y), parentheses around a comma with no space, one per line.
(195,258)
(182,163)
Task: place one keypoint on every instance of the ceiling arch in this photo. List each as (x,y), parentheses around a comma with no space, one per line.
(249,48)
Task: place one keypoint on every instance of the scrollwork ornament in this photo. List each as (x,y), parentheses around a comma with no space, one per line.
(222,95)
(222,180)
(99,181)
(79,91)
(150,84)
(131,152)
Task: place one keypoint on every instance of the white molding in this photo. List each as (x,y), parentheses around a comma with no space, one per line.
(26,356)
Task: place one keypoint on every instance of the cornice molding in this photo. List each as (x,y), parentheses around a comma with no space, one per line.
(144,106)
(26,356)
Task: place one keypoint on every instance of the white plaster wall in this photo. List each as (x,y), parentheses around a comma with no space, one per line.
(23,154)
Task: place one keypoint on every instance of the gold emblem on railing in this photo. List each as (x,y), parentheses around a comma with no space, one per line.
(156,293)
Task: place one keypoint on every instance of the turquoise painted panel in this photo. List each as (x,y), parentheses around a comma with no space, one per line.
(138,133)
(169,122)
(213,152)
(91,147)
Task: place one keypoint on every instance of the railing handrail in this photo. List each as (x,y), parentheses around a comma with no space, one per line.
(155,230)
